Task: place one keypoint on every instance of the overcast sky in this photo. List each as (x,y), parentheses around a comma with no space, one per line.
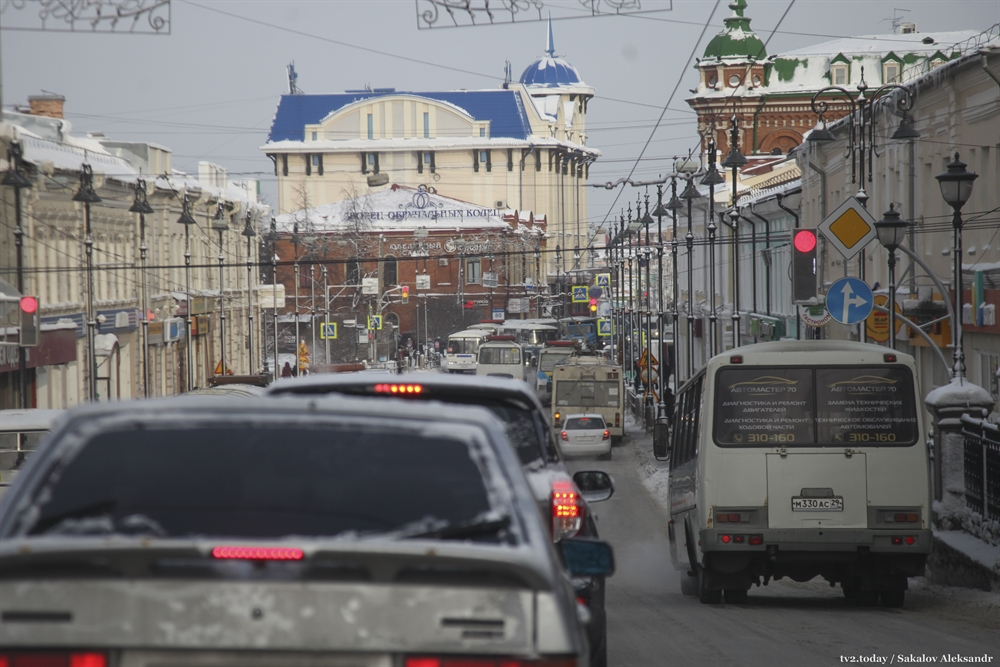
(209,89)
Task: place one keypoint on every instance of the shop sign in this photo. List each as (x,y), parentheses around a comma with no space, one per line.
(54,347)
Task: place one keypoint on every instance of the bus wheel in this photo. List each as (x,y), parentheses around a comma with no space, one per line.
(892,598)
(735,596)
(705,594)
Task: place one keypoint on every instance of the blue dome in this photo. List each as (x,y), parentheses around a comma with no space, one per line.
(550,72)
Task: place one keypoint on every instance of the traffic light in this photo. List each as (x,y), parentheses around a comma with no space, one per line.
(804,265)
(405,294)
(29,321)
(593,305)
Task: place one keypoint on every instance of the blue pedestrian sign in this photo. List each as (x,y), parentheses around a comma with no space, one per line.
(580,294)
(604,327)
(328,331)
(604,280)
(850,300)
(374,321)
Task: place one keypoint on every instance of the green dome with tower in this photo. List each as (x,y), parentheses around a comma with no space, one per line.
(737,41)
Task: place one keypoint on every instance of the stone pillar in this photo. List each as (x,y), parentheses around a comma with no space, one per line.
(948,404)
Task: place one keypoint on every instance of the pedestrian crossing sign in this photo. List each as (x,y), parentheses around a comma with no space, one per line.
(603,280)
(604,327)
(580,294)
(328,331)
(375,322)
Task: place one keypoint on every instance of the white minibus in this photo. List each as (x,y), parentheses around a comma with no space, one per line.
(462,351)
(500,355)
(800,459)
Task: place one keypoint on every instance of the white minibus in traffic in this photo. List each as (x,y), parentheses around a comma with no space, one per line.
(800,459)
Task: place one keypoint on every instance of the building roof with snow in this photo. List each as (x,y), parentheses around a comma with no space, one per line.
(550,71)
(737,42)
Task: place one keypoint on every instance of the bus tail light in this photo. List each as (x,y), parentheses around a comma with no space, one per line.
(909,539)
(53,659)
(607,434)
(756,540)
(618,419)
(567,510)
(725,539)
(901,517)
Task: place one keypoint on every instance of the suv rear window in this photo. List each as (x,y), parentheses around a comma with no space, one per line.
(261,483)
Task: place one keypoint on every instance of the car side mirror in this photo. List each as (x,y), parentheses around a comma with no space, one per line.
(594,485)
(661,439)
(587,558)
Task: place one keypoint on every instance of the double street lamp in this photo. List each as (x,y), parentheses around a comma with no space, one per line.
(141,206)
(87,196)
(187,220)
(735,160)
(891,231)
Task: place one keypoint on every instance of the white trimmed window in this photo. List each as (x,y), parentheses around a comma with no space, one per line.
(838,75)
(890,72)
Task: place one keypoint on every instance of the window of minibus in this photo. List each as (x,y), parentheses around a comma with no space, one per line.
(588,393)
(499,355)
(463,345)
(823,406)
(684,438)
(549,358)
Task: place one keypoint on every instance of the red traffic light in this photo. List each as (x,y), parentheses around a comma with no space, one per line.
(29,304)
(805,240)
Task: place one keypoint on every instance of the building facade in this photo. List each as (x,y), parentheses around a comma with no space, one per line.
(124,347)
(523,146)
(771,95)
(401,263)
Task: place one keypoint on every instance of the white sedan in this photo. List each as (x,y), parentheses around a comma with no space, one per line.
(585,434)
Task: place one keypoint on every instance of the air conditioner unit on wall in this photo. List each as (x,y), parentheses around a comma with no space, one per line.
(501,204)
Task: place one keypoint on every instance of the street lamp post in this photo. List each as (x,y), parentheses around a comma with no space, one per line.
(735,160)
(220,223)
(87,196)
(141,206)
(690,194)
(673,206)
(647,220)
(659,212)
(187,220)
(956,188)
(891,232)
(15,178)
(711,179)
(249,233)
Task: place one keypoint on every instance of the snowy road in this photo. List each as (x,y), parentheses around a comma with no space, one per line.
(786,623)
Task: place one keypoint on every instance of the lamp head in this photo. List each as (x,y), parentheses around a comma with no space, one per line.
(956,183)
(905,129)
(820,133)
(891,229)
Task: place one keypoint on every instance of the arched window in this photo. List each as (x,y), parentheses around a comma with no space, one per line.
(353,271)
(389,274)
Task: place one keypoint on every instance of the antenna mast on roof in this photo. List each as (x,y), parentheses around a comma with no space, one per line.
(896,19)
(293,77)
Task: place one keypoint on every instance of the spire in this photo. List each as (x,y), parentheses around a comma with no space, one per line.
(550,45)
(738,6)
(737,41)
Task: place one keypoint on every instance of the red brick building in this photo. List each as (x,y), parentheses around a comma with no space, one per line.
(427,264)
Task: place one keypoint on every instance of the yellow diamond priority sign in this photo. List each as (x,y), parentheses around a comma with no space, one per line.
(850,228)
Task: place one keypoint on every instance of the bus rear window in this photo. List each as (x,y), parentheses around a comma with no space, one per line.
(865,405)
(824,406)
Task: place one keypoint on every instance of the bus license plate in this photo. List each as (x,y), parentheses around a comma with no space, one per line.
(835,504)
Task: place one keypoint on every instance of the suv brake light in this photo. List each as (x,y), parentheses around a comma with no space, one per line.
(398,389)
(568,511)
(254,553)
(484,661)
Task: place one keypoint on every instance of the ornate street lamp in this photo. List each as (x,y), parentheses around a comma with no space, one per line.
(690,194)
(735,160)
(956,188)
(87,196)
(711,179)
(220,223)
(673,206)
(187,220)
(17,179)
(141,206)
(249,234)
(891,231)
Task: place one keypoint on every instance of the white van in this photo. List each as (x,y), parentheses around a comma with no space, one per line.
(500,355)
(462,351)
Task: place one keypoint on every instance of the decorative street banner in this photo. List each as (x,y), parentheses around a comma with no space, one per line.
(580,294)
